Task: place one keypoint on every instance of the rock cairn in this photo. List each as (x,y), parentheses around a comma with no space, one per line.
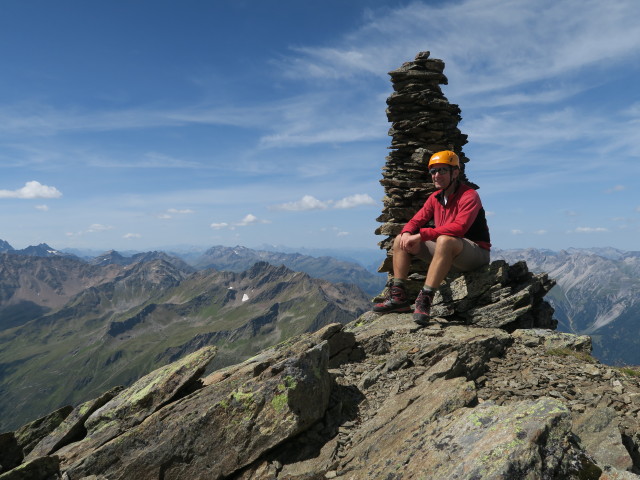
(423,123)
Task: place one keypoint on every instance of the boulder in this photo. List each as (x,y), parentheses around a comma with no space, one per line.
(132,405)
(522,440)
(10,452)
(32,433)
(72,427)
(498,295)
(598,430)
(42,468)
(554,340)
(221,427)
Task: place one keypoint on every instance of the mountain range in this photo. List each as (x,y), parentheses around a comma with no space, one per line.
(597,293)
(237,259)
(71,328)
(112,317)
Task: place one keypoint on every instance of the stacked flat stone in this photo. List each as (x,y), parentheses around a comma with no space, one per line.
(423,123)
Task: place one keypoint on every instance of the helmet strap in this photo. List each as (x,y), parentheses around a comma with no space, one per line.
(450,181)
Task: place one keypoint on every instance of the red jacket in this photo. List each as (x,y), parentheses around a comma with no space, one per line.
(462,216)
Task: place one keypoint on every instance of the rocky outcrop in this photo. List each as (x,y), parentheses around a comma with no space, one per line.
(377,398)
(113,415)
(498,295)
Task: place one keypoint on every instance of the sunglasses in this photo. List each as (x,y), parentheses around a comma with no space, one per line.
(440,170)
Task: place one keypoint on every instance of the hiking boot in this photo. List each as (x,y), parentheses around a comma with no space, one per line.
(396,301)
(422,307)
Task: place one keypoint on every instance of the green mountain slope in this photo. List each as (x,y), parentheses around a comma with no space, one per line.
(152,313)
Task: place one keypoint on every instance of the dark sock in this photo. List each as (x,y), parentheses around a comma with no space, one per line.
(398,282)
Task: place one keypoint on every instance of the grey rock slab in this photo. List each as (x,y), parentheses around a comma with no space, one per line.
(524,440)
(599,432)
(552,339)
(132,405)
(29,435)
(221,427)
(72,427)
(42,468)
(615,474)
(403,417)
(468,350)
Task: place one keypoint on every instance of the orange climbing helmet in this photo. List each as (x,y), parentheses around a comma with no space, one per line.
(447,157)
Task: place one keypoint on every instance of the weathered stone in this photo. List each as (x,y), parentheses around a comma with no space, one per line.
(10,452)
(599,432)
(220,428)
(615,474)
(496,296)
(132,405)
(552,339)
(72,427)
(151,392)
(42,468)
(402,417)
(29,435)
(340,343)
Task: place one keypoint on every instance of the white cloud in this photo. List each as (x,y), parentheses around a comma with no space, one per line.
(184,211)
(589,230)
(248,219)
(542,44)
(337,231)
(540,232)
(94,228)
(355,201)
(97,227)
(131,235)
(617,188)
(174,211)
(42,208)
(31,190)
(219,226)
(307,202)
(158,160)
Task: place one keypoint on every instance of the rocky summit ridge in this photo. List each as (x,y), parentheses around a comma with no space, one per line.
(492,393)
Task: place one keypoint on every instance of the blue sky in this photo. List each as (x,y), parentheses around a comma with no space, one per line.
(136,125)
